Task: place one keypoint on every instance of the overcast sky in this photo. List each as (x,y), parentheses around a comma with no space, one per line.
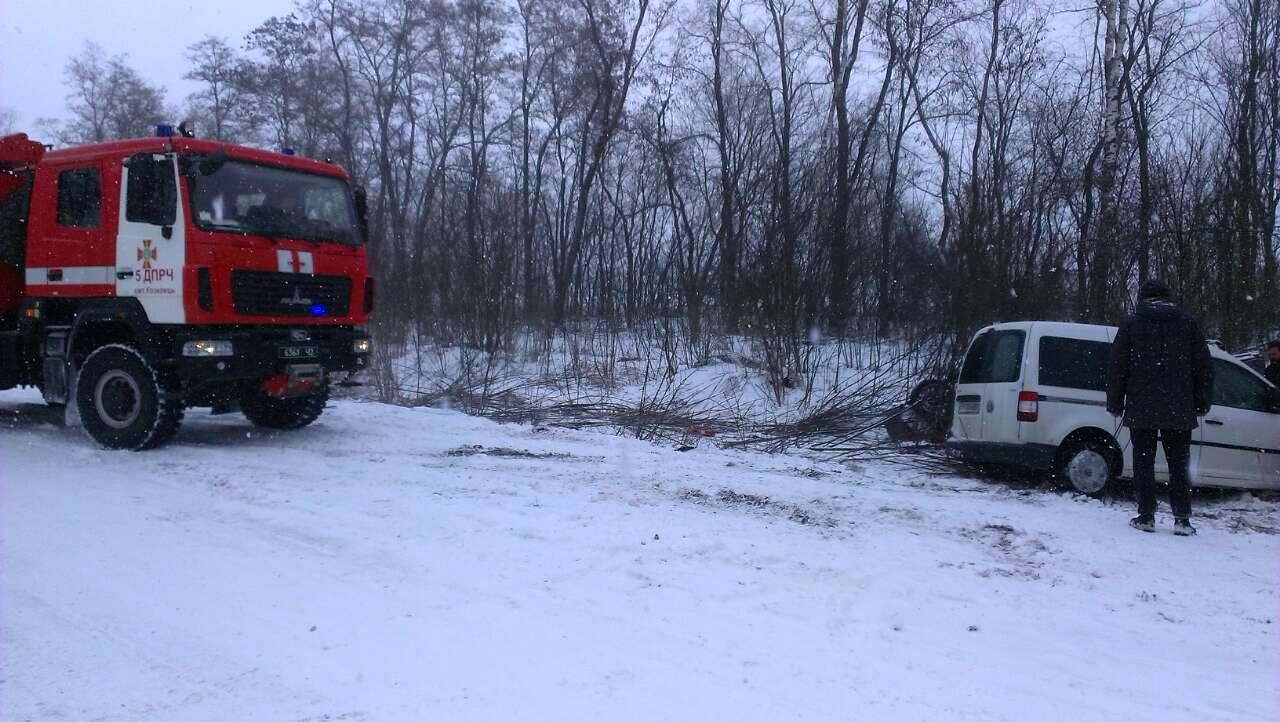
(38,36)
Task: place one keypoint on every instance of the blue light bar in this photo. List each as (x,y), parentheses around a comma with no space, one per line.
(317,310)
(164,130)
(287,151)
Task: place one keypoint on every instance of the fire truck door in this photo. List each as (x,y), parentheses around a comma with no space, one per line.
(68,240)
(150,247)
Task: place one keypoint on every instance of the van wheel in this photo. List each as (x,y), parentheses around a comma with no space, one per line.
(122,401)
(285,414)
(1087,464)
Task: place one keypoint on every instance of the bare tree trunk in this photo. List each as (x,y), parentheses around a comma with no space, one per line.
(1142,141)
(973,256)
(842,61)
(611,103)
(726,233)
(1116,15)
(940,149)
(1270,193)
(889,205)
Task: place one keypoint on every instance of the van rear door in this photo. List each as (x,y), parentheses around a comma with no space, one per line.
(987,391)
(966,423)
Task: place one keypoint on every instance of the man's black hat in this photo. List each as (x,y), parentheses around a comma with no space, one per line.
(1154,288)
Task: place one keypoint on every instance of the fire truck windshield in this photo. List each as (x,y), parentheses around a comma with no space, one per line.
(251,199)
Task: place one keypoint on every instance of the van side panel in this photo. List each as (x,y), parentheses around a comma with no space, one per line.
(1070,378)
(1065,408)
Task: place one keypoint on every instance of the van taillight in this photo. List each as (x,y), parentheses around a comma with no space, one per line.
(204,290)
(368,295)
(1028,406)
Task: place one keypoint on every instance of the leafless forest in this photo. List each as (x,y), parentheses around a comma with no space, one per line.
(769,168)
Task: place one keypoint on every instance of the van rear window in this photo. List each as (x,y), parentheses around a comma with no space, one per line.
(1074,363)
(994,358)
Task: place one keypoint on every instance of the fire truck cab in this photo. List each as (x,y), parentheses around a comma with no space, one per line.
(142,277)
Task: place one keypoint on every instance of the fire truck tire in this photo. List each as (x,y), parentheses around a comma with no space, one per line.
(123,402)
(284,414)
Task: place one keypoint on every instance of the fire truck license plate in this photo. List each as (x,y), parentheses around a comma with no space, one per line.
(290,352)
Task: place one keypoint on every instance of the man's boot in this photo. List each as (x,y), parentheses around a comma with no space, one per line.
(1143,523)
(1182,527)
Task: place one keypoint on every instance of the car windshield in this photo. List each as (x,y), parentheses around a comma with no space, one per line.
(255,199)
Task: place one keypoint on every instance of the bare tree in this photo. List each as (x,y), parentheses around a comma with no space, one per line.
(108,99)
(1160,39)
(844,38)
(8,121)
(617,41)
(1115,14)
(215,65)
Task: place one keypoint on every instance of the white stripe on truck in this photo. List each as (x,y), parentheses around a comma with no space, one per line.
(72,275)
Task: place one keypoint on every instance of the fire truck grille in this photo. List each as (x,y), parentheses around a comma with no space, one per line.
(264,293)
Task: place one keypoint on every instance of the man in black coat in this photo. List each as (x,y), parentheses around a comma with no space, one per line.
(1159,380)
(1273,368)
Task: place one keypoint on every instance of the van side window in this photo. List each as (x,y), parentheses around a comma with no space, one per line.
(995,357)
(79,198)
(1237,388)
(1074,363)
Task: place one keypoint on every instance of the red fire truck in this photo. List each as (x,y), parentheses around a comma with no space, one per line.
(142,277)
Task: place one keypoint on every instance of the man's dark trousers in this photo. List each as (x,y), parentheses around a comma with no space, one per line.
(1177,450)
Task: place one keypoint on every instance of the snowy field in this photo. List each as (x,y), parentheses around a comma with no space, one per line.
(416,564)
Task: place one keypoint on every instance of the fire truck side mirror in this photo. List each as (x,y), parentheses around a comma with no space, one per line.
(362,211)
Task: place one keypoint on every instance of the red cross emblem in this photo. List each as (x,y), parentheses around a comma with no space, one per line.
(146,254)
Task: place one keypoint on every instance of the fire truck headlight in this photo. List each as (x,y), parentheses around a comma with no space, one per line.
(207,348)
(362,345)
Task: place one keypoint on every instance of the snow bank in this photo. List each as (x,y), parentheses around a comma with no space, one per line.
(417,564)
(727,378)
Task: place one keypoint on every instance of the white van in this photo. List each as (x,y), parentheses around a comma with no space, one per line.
(1033,394)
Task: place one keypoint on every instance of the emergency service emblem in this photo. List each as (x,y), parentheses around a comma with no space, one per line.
(147,253)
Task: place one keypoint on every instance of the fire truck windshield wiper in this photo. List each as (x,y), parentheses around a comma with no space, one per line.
(271,234)
(321,231)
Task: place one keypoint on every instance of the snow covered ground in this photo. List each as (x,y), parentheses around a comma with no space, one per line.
(417,564)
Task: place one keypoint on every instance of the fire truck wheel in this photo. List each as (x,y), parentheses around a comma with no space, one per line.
(123,402)
(287,414)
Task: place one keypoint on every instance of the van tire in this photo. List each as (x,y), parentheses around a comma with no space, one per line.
(1088,465)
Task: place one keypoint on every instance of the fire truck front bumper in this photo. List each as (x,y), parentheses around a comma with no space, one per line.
(209,358)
